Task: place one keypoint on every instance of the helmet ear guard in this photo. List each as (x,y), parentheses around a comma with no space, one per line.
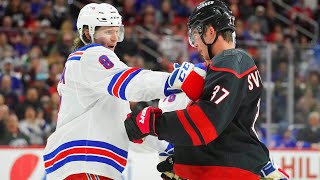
(94,15)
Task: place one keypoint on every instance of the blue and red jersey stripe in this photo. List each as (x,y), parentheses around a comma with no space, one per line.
(76,55)
(120,81)
(86,150)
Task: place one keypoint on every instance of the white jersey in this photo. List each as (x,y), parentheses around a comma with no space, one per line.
(171,103)
(174,102)
(95,88)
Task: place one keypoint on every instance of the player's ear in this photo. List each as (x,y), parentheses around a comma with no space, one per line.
(210,33)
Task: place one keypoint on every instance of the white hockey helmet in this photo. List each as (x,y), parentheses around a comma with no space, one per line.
(94,15)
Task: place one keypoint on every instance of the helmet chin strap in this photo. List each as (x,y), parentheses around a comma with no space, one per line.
(209,45)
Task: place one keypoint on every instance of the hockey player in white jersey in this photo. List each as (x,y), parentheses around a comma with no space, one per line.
(90,141)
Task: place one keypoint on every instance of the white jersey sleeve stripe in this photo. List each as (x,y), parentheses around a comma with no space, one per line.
(120,81)
(122,91)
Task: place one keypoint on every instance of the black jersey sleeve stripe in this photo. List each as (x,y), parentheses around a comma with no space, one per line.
(188,128)
(203,123)
(194,127)
(239,76)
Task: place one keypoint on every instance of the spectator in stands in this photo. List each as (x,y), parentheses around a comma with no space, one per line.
(60,12)
(241,33)
(314,84)
(53,119)
(7,28)
(13,10)
(150,26)
(32,99)
(271,16)
(234,6)
(298,10)
(3,5)
(29,22)
(23,43)
(11,98)
(53,77)
(166,14)
(247,9)
(55,100)
(129,11)
(34,127)
(310,135)
(306,104)
(8,69)
(46,16)
(13,136)
(4,113)
(2,100)
(64,43)
(255,33)
(6,50)
(181,8)
(284,139)
(260,17)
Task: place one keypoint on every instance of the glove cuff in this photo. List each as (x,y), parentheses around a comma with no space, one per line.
(193,86)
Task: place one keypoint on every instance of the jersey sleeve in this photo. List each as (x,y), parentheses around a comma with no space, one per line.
(203,121)
(106,74)
(174,102)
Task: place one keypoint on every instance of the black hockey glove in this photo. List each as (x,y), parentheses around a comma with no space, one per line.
(140,125)
(166,169)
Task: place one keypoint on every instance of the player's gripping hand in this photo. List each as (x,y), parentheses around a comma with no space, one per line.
(166,169)
(142,124)
(189,78)
(270,170)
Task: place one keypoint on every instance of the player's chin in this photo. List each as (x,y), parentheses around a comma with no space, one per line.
(111,47)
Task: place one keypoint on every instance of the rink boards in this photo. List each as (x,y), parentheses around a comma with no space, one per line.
(27,163)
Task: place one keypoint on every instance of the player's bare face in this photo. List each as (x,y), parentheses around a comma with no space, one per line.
(107,36)
(201,47)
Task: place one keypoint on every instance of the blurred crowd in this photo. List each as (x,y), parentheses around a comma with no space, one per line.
(36,37)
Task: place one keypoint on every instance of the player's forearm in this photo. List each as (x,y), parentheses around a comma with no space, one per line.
(169,128)
(146,86)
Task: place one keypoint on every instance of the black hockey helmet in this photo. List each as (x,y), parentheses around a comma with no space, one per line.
(214,12)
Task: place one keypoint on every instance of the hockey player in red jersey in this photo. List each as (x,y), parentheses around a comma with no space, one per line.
(213,137)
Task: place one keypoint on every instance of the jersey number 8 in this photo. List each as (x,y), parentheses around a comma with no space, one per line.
(105,61)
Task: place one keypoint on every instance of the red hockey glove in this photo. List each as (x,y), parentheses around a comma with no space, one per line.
(140,125)
(189,78)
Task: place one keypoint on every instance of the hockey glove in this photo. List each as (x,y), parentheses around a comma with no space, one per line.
(140,125)
(166,169)
(189,78)
(270,170)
